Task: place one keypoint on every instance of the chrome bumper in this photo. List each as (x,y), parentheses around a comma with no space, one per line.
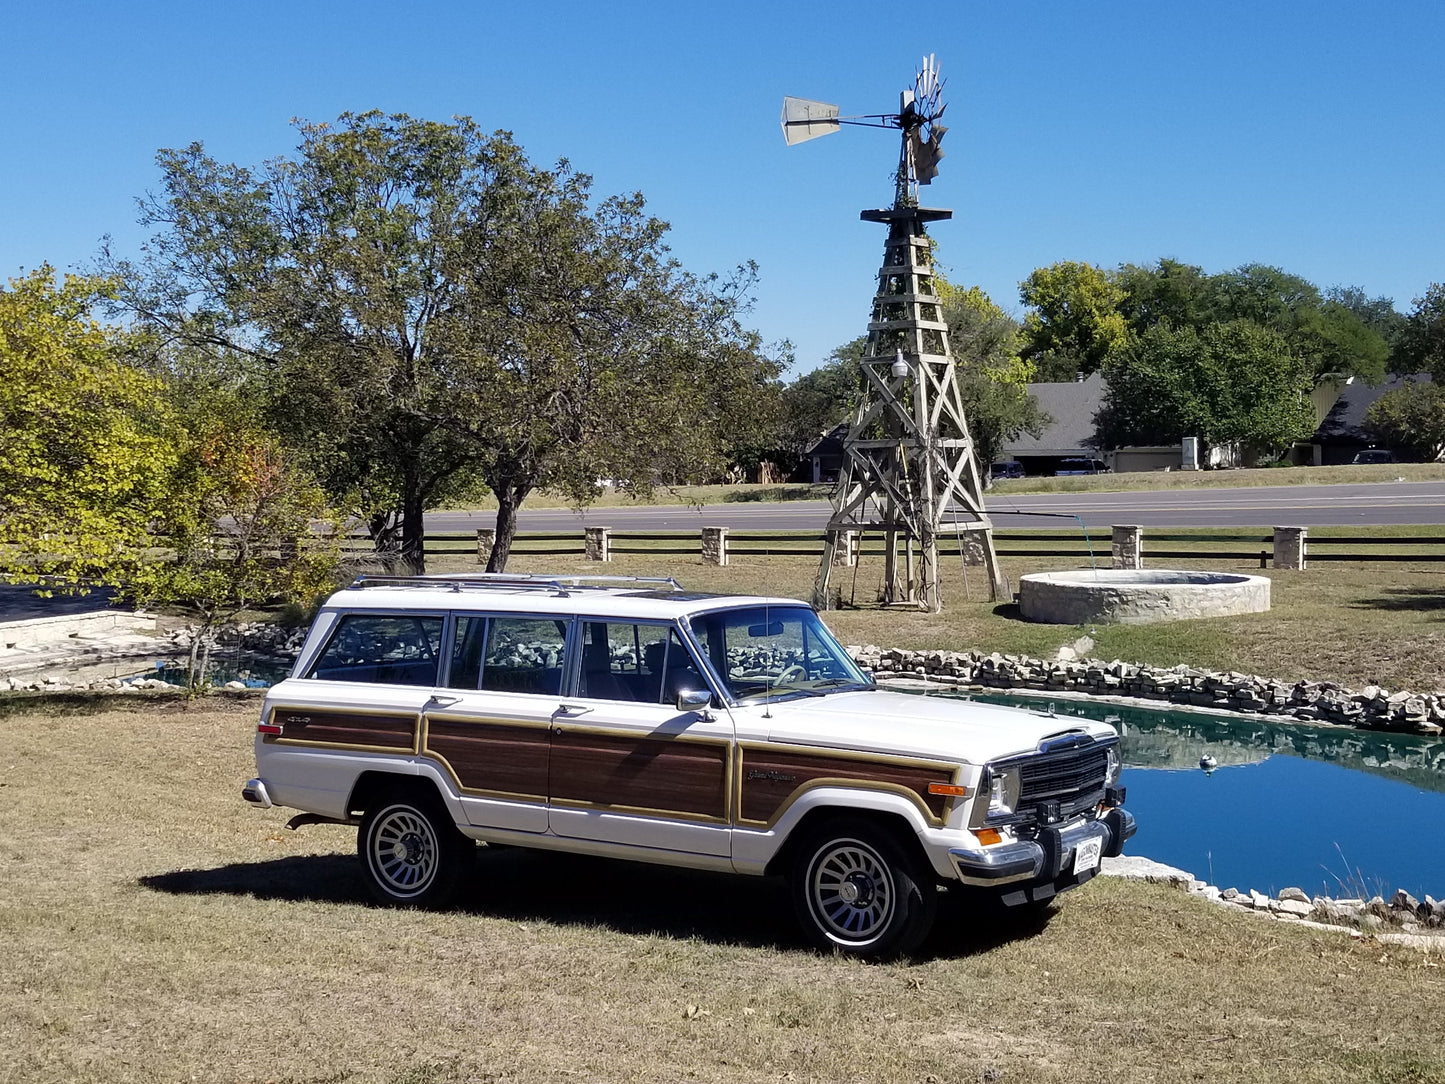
(1044,858)
(255,792)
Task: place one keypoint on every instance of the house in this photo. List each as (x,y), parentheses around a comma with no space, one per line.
(1342,435)
(1072,406)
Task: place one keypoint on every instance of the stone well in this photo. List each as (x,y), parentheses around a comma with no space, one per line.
(1138,596)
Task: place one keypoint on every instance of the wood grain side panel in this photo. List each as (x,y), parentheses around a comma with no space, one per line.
(492,757)
(347,727)
(661,774)
(771,777)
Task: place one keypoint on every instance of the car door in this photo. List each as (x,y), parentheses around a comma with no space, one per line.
(490,725)
(627,766)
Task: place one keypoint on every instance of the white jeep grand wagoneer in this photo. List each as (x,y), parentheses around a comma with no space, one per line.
(626,717)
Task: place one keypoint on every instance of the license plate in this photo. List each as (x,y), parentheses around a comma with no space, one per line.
(1086,855)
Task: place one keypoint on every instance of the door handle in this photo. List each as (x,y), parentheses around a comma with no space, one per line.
(442,701)
(572,709)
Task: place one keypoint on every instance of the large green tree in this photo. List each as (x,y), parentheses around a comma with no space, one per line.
(87,440)
(425,311)
(1235,382)
(1074,320)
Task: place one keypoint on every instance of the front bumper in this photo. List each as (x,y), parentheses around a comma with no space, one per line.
(1044,858)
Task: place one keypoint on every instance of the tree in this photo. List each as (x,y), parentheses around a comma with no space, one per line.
(819,401)
(992,378)
(1169,292)
(426,312)
(1234,382)
(1074,323)
(1411,419)
(1422,342)
(86,439)
(242,527)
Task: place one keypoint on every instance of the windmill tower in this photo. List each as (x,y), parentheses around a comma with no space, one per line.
(909,468)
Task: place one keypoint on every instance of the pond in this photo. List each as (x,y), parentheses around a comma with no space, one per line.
(1331,810)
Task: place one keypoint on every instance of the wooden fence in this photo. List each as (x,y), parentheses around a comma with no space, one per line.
(1248,546)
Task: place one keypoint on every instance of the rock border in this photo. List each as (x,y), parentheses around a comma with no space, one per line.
(1403,919)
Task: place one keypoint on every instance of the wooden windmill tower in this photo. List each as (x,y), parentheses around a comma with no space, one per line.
(909,467)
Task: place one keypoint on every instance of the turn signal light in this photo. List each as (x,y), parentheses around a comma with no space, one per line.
(950,790)
(988,836)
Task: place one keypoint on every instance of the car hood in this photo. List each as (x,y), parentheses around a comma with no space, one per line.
(904,724)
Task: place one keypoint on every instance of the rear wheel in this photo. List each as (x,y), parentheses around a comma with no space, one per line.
(857,890)
(411,852)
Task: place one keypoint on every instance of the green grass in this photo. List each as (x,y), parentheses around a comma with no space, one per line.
(156,930)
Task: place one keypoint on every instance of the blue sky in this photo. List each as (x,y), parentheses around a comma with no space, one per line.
(1307,135)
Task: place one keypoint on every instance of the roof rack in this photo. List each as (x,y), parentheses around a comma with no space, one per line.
(562,585)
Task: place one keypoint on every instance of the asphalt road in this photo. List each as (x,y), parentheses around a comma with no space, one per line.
(1266,506)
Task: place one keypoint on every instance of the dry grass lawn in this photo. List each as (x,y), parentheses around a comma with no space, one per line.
(156,929)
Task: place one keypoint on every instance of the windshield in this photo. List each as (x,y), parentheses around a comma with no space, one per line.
(761,652)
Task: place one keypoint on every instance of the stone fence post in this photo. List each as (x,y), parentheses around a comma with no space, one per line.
(486,542)
(599,543)
(1128,546)
(845,548)
(714,545)
(1289,547)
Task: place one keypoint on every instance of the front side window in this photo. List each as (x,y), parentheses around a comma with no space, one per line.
(766,651)
(383,649)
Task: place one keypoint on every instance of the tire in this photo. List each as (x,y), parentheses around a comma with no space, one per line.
(411,853)
(857,890)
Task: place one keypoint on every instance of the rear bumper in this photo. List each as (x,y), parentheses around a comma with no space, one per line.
(1044,858)
(255,792)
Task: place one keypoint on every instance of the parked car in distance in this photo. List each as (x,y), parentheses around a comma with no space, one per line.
(1374,455)
(1006,468)
(624,717)
(1081,466)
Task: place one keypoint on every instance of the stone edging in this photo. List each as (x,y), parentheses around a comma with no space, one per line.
(1403,919)
(1372,708)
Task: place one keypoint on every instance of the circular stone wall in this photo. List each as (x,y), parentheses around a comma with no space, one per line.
(1138,596)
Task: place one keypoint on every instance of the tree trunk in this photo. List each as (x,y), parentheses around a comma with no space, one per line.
(509,499)
(413,528)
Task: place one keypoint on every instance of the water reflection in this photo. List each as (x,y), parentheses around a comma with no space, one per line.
(1332,810)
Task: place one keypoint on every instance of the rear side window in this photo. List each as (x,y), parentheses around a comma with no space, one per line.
(508,654)
(382,649)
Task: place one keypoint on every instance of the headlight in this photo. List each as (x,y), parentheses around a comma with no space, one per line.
(1003,793)
(1113,767)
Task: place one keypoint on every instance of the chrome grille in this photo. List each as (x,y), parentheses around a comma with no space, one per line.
(1074,778)
(1073,774)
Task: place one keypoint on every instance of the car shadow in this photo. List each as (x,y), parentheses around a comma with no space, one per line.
(1418,599)
(627,897)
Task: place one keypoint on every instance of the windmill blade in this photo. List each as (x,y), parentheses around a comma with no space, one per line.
(804,119)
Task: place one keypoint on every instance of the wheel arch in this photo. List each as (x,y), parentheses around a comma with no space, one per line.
(894,821)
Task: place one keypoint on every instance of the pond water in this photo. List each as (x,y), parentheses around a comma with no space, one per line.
(1331,810)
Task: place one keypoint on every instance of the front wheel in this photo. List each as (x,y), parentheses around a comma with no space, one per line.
(857,890)
(411,854)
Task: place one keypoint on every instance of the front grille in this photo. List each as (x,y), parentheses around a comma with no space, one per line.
(1073,777)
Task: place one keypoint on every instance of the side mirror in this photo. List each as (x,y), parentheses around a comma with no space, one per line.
(693,699)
